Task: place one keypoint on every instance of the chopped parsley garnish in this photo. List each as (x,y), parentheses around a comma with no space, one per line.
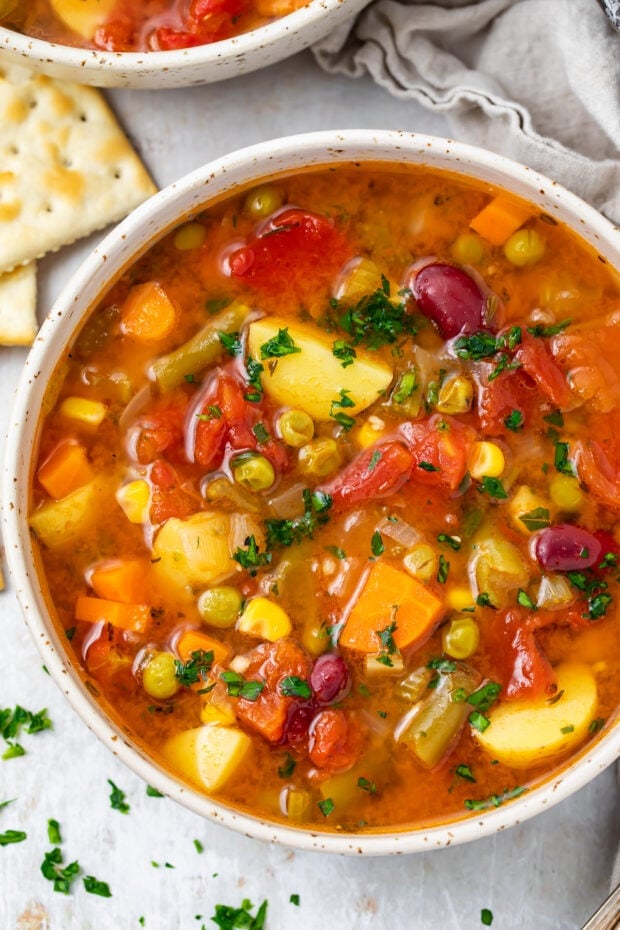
(479,721)
(453,541)
(486,917)
(344,420)
(609,560)
(117,799)
(251,558)
(237,686)
(261,432)
(386,639)
(597,605)
(53,832)
(464,771)
(493,487)
(428,466)
(12,836)
(254,370)
(406,385)
(442,665)
(495,800)
(561,461)
(342,402)
(543,331)
(70,633)
(292,686)
(326,807)
(213,413)
(280,345)
(504,363)
(344,352)
(375,458)
(514,421)
(483,600)
(536,519)
(288,766)
(484,697)
(286,532)
(12,722)
(93,886)
(294,899)
(216,304)
(569,728)
(524,600)
(367,785)
(153,792)
(336,551)
(231,343)
(240,918)
(554,418)
(376,544)
(481,344)
(53,869)
(198,847)
(597,724)
(443,569)
(376,320)
(196,669)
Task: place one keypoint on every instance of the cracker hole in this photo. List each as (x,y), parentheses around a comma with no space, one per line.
(117,174)
(48,208)
(33,104)
(13,150)
(83,117)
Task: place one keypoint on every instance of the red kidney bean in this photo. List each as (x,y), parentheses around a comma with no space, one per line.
(449,297)
(330,679)
(566,548)
(298,721)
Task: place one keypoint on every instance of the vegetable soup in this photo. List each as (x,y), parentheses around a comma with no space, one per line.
(135,26)
(327,498)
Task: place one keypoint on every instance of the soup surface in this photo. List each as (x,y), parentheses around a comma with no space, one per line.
(136,26)
(327,498)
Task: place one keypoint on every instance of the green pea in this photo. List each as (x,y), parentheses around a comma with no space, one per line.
(158,676)
(253,472)
(319,457)
(461,637)
(220,606)
(263,201)
(468,249)
(296,428)
(525,247)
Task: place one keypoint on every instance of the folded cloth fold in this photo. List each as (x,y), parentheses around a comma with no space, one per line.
(536,80)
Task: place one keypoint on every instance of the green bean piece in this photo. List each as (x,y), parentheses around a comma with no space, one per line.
(201,351)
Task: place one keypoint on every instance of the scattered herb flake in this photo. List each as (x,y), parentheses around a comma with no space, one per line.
(479,721)
(12,836)
(292,686)
(377,321)
(484,697)
(198,846)
(53,832)
(367,785)
(251,558)
(153,792)
(240,918)
(464,771)
(514,421)
(536,519)
(279,345)
(196,669)
(261,432)
(442,665)
(453,541)
(443,569)
(486,917)
(428,466)
(326,807)
(376,544)
(597,724)
(493,487)
(288,766)
(569,728)
(237,686)
(405,386)
(294,899)
(117,799)
(336,551)
(561,461)
(53,869)
(540,330)
(231,343)
(494,800)
(525,600)
(344,352)
(93,886)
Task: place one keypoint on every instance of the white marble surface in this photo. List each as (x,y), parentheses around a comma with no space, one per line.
(548,874)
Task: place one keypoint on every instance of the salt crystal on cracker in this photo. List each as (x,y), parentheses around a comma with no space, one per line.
(18,305)
(66,166)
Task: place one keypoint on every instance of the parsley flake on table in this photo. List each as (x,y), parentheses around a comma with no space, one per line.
(93,886)
(61,875)
(198,846)
(486,917)
(53,832)
(14,722)
(153,792)
(240,918)
(294,899)
(117,799)
(12,836)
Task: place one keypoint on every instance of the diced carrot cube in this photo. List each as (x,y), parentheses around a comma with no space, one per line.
(148,314)
(390,595)
(195,641)
(500,218)
(120,580)
(133,617)
(65,469)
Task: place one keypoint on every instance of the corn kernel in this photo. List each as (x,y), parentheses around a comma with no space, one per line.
(458,598)
(134,498)
(455,395)
(219,713)
(264,619)
(89,412)
(368,433)
(315,637)
(566,493)
(524,501)
(421,561)
(190,236)
(486,460)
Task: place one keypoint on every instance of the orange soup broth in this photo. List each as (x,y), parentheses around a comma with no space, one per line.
(394,216)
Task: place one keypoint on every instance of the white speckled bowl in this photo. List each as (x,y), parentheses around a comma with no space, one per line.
(203,64)
(130,239)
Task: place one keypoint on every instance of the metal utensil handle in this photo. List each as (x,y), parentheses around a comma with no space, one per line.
(608,915)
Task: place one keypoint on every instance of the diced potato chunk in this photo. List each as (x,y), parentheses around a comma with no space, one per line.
(207,755)
(58,523)
(265,619)
(83,16)
(528,732)
(312,378)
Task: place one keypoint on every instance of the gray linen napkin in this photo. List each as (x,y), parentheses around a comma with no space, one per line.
(536,80)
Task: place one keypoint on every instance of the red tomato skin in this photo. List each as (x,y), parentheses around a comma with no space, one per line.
(168,39)
(334,741)
(162,430)
(442,443)
(168,497)
(597,474)
(527,672)
(538,363)
(368,477)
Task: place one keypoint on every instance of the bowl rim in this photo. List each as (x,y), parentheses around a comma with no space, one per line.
(146,224)
(140,64)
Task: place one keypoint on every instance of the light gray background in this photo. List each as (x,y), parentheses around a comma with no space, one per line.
(549,873)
